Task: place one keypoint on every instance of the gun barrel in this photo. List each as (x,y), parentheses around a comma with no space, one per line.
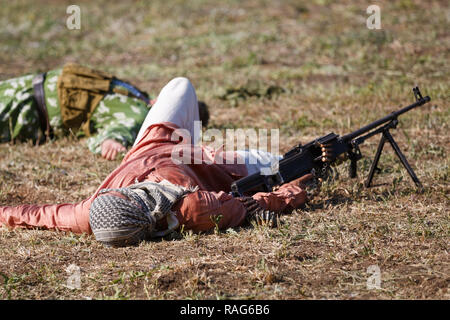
(387,118)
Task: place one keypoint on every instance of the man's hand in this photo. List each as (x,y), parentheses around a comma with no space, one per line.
(110,149)
(258,214)
(308,183)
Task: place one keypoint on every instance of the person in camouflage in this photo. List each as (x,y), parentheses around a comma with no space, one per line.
(116,120)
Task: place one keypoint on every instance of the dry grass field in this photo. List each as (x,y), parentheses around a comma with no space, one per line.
(331,73)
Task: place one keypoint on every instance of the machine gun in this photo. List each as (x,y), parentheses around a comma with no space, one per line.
(316,156)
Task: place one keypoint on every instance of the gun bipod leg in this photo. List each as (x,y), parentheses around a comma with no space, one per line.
(386,136)
(374,165)
(402,158)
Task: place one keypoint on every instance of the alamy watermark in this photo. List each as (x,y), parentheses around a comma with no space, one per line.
(74,279)
(374,280)
(73,21)
(234,146)
(374,20)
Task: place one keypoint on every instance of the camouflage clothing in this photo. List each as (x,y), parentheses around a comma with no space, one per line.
(117,116)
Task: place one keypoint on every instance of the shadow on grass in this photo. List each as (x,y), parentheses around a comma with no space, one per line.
(325,203)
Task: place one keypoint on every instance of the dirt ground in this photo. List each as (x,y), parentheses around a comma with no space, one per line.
(330,73)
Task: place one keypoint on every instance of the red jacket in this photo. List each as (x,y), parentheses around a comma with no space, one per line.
(150,160)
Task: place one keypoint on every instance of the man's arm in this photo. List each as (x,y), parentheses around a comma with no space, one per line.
(120,133)
(117,121)
(286,198)
(65,217)
(196,210)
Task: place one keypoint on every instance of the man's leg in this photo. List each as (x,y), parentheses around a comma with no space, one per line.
(176,103)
